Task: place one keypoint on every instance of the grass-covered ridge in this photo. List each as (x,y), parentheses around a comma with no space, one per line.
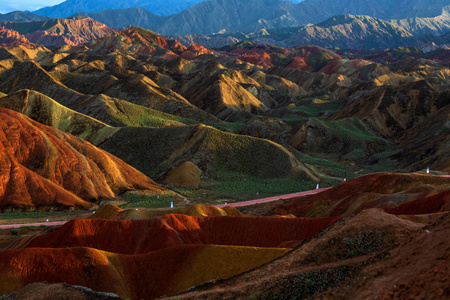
(129,114)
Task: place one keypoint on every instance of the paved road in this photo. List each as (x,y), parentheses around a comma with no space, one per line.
(245,203)
(33,224)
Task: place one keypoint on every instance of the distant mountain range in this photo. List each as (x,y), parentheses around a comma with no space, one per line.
(340,32)
(418,17)
(343,31)
(217,23)
(207,17)
(119,18)
(349,31)
(20,16)
(159,7)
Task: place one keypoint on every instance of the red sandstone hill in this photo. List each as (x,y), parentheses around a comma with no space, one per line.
(139,41)
(195,50)
(10,37)
(60,32)
(42,167)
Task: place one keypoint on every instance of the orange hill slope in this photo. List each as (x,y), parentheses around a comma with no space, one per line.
(396,193)
(42,167)
(143,236)
(146,276)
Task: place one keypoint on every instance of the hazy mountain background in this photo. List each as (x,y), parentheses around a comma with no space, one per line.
(159,7)
(346,24)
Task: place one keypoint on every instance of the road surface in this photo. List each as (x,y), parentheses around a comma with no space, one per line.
(288,196)
(32,224)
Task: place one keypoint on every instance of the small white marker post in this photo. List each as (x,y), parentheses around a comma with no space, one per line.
(317,186)
(171,204)
(428,170)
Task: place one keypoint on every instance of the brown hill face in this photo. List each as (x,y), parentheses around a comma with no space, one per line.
(344,261)
(43,167)
(386,111)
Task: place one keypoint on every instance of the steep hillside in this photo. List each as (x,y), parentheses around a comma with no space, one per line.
(47,111)
(419,26)
(43,168)
(403,258)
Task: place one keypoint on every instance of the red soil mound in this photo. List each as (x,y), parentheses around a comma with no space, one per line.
(143,236)
(195,50)
(146,276)
(42,167)
(382,190)
(300,64)
(10,37)
(256,58)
